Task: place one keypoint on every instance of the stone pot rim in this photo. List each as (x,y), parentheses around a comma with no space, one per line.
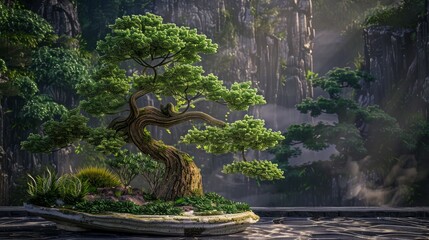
(173,225)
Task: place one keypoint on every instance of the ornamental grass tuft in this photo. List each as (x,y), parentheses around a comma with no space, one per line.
(98,177)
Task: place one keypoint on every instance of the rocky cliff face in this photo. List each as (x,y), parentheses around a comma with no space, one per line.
(267,42)
(61,14)
(399,61)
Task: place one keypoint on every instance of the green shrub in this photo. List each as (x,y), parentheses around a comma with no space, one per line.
(152,171)
(43,190)
(128,165)
(71,189)
(98,177)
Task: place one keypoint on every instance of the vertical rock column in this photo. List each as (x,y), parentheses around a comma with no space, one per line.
(300,34)
(389,53)
(398,59)
(61,14)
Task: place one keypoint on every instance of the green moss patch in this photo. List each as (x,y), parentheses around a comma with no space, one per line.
(208,204)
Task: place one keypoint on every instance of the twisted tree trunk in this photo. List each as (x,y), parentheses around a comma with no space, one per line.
(182,177)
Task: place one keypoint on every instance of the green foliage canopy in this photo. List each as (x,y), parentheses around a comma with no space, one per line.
(36,75)
(59,67)
(143,37)
(234,137)
(24,28)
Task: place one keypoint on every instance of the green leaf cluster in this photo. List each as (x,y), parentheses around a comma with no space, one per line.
(348,140)
(41,108)
(58,134)
(241,95)
(260,170)
(23,84)
(187,82)
(23,28)
(337,79)
(128,165)
(73,128)
(416,136)
(105,140)
(182,82)
(233,137)
(143,37)
(105,91)
(59,67)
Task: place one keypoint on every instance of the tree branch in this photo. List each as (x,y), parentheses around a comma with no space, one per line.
(243,155)
(154,116)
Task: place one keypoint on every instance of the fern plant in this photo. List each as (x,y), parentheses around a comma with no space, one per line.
(43,190)
(71,189)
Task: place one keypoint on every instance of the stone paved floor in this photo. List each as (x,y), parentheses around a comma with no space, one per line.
(266,228)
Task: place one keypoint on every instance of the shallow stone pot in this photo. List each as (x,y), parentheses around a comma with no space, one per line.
(187,225)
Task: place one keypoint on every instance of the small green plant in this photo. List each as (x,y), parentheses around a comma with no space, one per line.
(98,177)
(212,204)
(43,190)
(128,165)
(260,170)
(161,208)
(153,172)
(71,189)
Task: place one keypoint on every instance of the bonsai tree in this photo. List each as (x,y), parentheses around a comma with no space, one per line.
(165,55)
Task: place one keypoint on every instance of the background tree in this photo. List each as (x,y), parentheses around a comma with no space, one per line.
(366,140)
(166,54)
(37,80)
(358,129)
(39,72)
